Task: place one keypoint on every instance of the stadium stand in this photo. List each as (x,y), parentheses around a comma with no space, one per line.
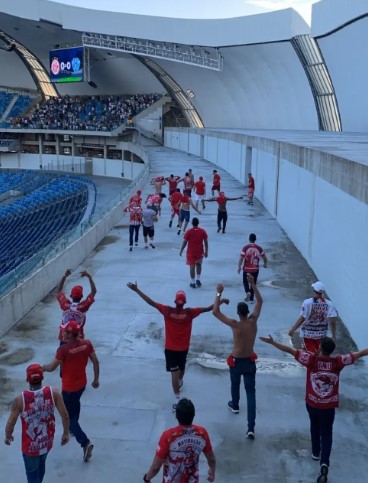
(85,113)
(12,104)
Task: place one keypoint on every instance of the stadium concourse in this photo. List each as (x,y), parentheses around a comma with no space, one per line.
(126,415)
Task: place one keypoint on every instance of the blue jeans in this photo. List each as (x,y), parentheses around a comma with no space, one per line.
(133,232)
(321,425)
(246,368)
(72,404)
(35,467)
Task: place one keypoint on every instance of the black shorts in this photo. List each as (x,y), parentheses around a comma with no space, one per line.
(148,231)
(175,360)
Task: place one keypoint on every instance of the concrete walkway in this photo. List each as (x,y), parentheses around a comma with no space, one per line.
(126,415)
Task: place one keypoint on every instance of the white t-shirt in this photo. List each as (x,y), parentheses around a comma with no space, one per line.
(316,312)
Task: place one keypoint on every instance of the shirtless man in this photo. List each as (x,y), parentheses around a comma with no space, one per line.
(158,182)
(185,204)
(242,360)
(222,199)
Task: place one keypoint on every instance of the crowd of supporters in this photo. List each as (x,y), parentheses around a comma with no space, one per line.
(85,113)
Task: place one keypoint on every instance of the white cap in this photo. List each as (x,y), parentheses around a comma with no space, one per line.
(318,287)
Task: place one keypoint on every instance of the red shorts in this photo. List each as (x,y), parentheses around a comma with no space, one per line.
(194,259)
(311,345)
(216,187)
(175,210)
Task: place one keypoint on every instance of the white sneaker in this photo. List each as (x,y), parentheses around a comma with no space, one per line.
(247,297)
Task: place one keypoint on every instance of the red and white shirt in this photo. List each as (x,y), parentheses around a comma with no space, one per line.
(154,199)
(251,254)
(323,374)
(73,311)
(74,357)
(188,183)
(38,421)
(181,447)
(316,312)
(135,214)
(178,326)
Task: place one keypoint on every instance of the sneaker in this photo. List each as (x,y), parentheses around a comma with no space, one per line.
(322,477)
(87,451)
(250,435)
(146,247)
(223,231)
(247,297)
(181,384)
(136,244)
(173,408)
(251,301)
(198,283)
(152,245)
(179,232)
(131,249)
(170,224)
(315,457)
(193,285)
(233,409)
(218,230)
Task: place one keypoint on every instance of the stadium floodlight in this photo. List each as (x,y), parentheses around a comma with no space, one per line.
(205,57)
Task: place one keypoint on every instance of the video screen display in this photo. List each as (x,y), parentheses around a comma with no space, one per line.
(66,65)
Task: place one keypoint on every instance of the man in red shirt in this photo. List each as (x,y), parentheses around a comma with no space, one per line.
(76,308)
(249,258)
(222,211)
(173,183)
(216,186)
(178,330)
(251,188)
(200,192)
(137,199)
(197,240)
(36,407)
(322,393)
(179,449)
(135,219)
(74,357)
(175,199)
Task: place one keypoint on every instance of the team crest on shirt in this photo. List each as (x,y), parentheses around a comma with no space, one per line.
(304,357)
(323,383)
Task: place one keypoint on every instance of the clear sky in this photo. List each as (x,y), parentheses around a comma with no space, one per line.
(196,8)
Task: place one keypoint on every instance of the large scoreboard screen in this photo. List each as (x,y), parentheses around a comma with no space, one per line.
(66,65)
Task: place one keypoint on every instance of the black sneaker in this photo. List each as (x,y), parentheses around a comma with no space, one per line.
(315,457)
(131,249)
(152,245)
(87,451)
(218,230)
(179,232)
(250,435)
(322,477)
(233,409)
(198,283)
(170,224)
(193,285)
(136,244)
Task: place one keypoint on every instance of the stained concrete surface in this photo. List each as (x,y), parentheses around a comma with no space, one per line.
(126,415)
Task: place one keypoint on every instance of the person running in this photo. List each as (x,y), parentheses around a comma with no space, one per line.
(149,216)
(221,200)
(175,199)
(36,407)
(200,192)
(322,393)
(178,330)
(197,240)
(191,175)
(155,199)
(251,188)
(173,183)
(74,357)
(184,216)
(137,198)
(188,184)
(316,314)
(76,308)
(216,185)
(135,219)
(249,259)
(242,359)
(179,449)
(158,183)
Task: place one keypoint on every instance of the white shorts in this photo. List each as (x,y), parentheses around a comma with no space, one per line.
(198,197)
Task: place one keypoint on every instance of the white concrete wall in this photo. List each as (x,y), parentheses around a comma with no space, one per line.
(327,225)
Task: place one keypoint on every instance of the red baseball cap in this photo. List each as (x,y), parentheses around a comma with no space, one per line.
(77,292)
(34,373)
(72,327)
(180,297)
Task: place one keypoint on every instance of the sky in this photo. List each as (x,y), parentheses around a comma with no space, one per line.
(196,8)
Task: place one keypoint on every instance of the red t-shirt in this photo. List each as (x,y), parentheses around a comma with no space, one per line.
(73,311)
(251,183)
(181,447)
(200,187)
(216,179)
(136,199)
(251,254)
(195,237)
(155,199)
(74,357)
(323,373)
(135,214)
(173,182)
(178,326)
(176,198)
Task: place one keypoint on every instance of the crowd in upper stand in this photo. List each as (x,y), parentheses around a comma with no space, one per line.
(85,113)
